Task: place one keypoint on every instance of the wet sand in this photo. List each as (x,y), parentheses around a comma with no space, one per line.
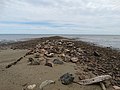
(20,75)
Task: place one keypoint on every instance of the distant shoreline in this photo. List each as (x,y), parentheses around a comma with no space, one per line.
(100,40)
(10,42)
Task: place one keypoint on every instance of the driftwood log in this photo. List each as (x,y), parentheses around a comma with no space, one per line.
(95,80)
(98,79)
(45,83)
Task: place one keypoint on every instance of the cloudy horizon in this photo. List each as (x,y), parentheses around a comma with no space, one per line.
(60,17)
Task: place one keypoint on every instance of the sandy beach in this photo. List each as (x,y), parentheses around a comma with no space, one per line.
(83,60)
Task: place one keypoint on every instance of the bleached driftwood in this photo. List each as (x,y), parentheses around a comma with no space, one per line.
(95,80)
(45,83)
(116,87)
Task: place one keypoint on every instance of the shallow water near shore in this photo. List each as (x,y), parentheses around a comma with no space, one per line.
(103,40)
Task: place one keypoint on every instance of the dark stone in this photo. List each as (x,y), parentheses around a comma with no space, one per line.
(30,59)
(14,63)
(29,53)
(67,79)
(49,64)
(57,61)
(8,66)
(19,59)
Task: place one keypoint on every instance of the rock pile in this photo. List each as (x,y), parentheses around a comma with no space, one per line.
(58,50)
(54,52)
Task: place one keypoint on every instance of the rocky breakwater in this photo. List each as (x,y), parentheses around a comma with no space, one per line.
(90,60)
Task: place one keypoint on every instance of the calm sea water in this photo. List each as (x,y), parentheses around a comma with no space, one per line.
(103,40)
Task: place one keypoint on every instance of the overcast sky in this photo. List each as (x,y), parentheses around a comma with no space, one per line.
(60,16)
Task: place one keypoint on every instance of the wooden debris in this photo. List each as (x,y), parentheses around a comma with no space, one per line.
(95,80)
(45,83)
(116,87)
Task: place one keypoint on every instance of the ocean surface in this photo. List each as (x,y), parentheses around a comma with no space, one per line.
(102,40)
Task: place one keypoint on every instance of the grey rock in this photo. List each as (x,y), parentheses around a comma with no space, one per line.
(50,64)
(57,61)
(67,79)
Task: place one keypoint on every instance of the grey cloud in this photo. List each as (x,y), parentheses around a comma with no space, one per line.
(83,13)
(2,4)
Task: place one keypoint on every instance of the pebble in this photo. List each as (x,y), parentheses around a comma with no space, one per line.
(74,59)
(50,64)
(31,87)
